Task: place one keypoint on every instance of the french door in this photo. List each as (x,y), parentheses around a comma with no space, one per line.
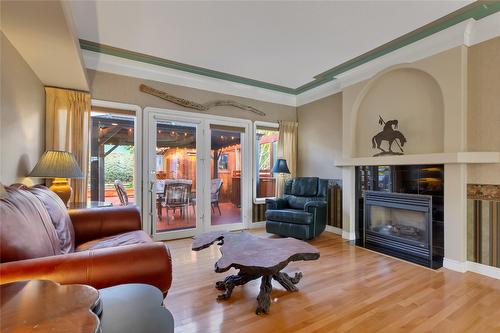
(198,173)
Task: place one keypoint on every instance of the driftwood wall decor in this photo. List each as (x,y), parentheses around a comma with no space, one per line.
(197,106)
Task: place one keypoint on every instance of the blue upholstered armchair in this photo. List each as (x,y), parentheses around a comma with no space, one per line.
(301,213)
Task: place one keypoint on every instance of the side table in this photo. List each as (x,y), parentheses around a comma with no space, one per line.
(133,308)
(48,307)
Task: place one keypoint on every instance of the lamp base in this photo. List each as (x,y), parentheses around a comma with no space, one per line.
(61,187)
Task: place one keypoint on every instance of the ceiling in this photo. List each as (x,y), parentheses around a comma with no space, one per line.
(282,43)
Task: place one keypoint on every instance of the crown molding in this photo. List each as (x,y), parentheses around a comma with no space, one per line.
(122,66)
(467,26)
(468,33)
(483,30)
(476,10)
(162,62)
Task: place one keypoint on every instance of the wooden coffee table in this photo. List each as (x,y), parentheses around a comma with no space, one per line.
(256,257)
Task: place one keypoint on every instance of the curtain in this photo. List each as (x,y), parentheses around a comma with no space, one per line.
(287,149)
(67,128)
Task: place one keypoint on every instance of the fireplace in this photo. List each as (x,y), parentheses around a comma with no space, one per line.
(400,224)
(403,206)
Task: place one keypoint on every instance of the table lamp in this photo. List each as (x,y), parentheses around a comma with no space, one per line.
(59,165)
(281,167)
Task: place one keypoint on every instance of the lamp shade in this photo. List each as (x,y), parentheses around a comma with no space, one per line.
(57,164)
(281,166)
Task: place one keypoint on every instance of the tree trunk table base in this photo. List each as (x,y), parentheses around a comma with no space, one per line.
(256,258)
(264,299)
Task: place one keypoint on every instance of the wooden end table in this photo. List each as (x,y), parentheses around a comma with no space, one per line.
(46,306)
(256,257)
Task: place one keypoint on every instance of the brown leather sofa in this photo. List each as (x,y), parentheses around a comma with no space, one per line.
(102,247)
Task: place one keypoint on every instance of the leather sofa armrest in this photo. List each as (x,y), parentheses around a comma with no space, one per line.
(141,263)
(94,223)
(276,203)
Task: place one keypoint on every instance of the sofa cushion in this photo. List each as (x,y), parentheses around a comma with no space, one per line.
(128,238)
(26,230)
(59,215)
(305,186)
(289,215)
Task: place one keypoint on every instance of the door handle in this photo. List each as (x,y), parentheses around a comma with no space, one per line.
(151,187)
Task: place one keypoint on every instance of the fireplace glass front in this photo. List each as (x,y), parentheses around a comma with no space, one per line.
(403,224)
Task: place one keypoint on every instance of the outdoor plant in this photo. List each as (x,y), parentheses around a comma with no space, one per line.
(118,165)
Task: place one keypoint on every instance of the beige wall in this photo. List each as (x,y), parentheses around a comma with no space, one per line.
(22,121)
(413,98)
(125,89)
(320,137)
(484,108)
(428,97)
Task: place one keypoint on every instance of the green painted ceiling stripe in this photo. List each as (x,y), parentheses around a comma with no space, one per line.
(476,10)
(145,58)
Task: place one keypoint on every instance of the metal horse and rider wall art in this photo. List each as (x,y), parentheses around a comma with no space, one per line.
(390,135)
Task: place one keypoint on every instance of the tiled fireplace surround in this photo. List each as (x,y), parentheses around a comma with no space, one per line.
(365,101)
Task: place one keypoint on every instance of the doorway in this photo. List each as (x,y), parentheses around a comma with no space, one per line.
(199,173)
(115,153)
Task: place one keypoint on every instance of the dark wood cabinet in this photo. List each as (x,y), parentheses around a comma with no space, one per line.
(236,191)
(266,187)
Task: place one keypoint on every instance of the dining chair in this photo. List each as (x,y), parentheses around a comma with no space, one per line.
(177,195)
(215,186)
(121,192)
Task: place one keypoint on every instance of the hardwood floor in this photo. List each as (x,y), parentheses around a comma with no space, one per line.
(349,289)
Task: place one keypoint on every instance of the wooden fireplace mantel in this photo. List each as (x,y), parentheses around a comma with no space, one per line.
(414,159)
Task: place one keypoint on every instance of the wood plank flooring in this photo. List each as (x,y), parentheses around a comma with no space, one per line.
(349,289)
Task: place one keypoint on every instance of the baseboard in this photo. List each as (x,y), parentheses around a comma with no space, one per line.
(348,235)
(454,265)
(255,225)
(493,272)
(335,230)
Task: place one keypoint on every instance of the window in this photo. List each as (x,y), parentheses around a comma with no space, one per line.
(266,146)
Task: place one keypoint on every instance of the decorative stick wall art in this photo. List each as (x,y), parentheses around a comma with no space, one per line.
(197,106)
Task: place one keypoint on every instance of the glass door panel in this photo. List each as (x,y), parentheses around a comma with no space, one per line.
(226,172)
(175,177)
(112,167)
(198,176)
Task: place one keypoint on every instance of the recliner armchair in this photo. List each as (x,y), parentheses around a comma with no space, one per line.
(301,213)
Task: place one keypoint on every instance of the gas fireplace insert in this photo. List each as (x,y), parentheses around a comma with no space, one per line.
(400,224)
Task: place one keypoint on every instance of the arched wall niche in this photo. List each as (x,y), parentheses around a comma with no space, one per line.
(410,95)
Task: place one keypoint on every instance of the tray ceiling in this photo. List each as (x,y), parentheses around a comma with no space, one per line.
(282,43)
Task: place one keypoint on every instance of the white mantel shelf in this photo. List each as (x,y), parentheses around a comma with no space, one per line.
(437,158)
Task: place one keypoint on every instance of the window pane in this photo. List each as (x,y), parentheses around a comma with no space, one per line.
(225,170)
(266,146)
(175,176)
